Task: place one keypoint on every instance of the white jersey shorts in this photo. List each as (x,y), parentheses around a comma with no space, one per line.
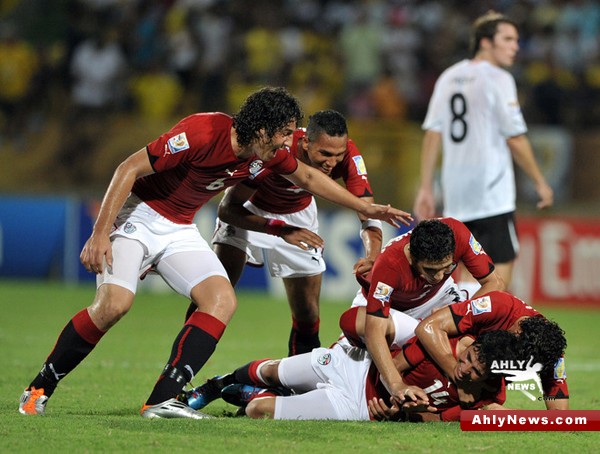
(143,241)
(281,258)
(406,321)
(332,383)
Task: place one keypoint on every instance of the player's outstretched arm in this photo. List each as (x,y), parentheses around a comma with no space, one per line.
(98,246)
(433,333)
(232,211)
(319,184)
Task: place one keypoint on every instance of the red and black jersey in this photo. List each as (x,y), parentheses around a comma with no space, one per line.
(501,310)
(276,194)
(393,283)
(425,374)
(194,161)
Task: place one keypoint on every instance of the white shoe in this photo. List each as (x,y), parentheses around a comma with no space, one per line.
(172,408)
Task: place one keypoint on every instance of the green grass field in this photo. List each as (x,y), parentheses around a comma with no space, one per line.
(95,409)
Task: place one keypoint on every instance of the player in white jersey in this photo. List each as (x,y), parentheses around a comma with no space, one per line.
(474,116)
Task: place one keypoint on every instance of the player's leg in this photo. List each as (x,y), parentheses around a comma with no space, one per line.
(352,323)
(314,405)
(303,296)
(199,275)
(233,260)
(114,297)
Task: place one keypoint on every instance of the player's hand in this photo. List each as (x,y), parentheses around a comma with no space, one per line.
(303,238)
(363,266)
(408,396)
(424,205)
(379,411)
(546,195)
(96,249)
(388,214)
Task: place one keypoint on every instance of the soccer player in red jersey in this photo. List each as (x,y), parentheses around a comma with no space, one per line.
(411,278)
(543,339)
(145,221)
(342,383)
(245,209)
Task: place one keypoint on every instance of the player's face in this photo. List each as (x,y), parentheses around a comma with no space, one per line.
(326,151)
(505,45)
(268,146)
(468,367)
(435,272)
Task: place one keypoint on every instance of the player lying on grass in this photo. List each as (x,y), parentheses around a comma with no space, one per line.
(542,339)
(410,278)
(342,383)
(269,221)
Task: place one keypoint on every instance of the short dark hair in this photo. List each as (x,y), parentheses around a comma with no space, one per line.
(497,345)
(432,240)
(330,122)
(270,108)
(543,339)
(486,26)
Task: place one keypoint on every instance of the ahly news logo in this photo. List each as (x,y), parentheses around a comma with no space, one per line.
(517,372)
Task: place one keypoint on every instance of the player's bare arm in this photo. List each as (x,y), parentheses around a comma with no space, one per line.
(232,211)
(372,238)
(523,155)
(433,333)
(425,202)
(377,346)
(492,281)
(318,183)
(98,246)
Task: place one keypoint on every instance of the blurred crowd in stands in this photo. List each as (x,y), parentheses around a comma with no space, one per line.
(83,60)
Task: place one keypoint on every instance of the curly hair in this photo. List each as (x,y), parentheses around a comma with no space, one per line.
(270,108)
(543,339)
(497,345)
(329,122)
(432,240)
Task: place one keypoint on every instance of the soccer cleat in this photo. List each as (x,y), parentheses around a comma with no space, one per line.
(240,395)
(203,395)
(33,402)
(172,408)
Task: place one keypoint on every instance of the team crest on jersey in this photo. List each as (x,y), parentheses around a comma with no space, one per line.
(560,371)
(476,247)
(383,292)
(361,168)
(178,143)
(325,359)
(481,305)
(255,167)
(129,227)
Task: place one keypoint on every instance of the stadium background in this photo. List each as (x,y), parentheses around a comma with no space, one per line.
(374,61)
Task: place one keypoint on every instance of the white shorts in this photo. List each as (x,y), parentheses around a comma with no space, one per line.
(332,381)
(143,240)
(406,321)
(281,258)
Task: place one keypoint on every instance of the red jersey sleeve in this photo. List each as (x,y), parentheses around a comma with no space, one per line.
(469,251)
(283,163)
(494,310)
(353,171)
(554,383)
(384,280)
